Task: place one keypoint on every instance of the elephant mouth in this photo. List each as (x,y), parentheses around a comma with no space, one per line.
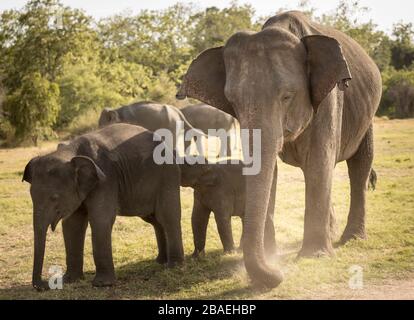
(55,222)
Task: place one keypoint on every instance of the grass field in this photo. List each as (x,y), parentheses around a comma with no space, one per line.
(386,257)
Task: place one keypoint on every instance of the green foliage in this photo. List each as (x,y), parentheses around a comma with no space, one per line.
(403,47)
(84,122)
(125,57)
(34,107)
(154,39)
(162,89)
(398,93)
(393,56)
(81,90)
(347,19)
(214,26)
(35,42)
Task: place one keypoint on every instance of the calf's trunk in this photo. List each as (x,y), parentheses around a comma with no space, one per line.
(40,231)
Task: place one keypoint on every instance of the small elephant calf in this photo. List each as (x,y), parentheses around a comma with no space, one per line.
(220,188)
(92,179)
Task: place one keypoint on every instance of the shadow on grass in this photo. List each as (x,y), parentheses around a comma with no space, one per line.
(215,276)
(148,280)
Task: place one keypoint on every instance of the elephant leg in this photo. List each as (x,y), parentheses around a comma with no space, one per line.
(223,221)
(101,225)
(168,213)
(333,227)
(359,167)
(199,223)
(269,231)
(74,230)
(161,239)
(318,181)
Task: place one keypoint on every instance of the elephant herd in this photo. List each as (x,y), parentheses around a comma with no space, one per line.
(310,89)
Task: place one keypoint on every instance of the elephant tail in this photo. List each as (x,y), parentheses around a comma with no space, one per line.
(372,182)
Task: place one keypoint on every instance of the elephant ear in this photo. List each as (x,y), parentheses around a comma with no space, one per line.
(28,170)
(327,67)
(205,80)
(87,175)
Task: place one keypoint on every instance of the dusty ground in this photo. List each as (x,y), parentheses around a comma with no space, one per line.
(387,290)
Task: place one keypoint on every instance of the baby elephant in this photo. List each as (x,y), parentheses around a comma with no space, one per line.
(220,188)
(92,179)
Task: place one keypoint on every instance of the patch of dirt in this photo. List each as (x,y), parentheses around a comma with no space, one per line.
(388,290)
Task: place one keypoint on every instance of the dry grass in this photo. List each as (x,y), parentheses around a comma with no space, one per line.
(386,255)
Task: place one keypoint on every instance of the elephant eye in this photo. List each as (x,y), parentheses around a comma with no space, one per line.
(54,197)
(287,97)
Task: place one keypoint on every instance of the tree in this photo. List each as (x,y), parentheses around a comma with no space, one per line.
(403,46)
(46,30)
(214,26)
(95,86)
(347,19)
(398,94)
(157,40)
(34,107)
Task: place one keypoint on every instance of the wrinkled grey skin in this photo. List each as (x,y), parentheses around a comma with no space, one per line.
(313,91)
(92,179)
(150,115)
(219,188)
(204,117)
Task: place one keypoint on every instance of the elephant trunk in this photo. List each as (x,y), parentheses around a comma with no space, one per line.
(40,230)
(258,189)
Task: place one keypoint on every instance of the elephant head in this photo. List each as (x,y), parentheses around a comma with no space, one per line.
(273,81)
(58,188)
(108,117)
(198,175)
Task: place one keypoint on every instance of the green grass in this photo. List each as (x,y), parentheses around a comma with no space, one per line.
(388,253)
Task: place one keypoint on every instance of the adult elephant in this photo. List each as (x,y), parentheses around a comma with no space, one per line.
(293,81)
(152,116)
(204,117)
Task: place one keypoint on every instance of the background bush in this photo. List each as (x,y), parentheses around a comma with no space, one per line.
(59,66)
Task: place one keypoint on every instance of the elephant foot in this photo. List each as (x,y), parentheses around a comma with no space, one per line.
(352,235)
(103,281)
(41,285)
(161,259)
(198,254)
(263,277)
(313,251)
(71,277)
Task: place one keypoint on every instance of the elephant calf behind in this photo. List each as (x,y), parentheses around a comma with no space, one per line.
(92,179)
(153,116)
(219,188)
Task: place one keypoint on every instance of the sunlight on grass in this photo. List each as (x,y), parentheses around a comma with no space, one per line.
(387,253)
